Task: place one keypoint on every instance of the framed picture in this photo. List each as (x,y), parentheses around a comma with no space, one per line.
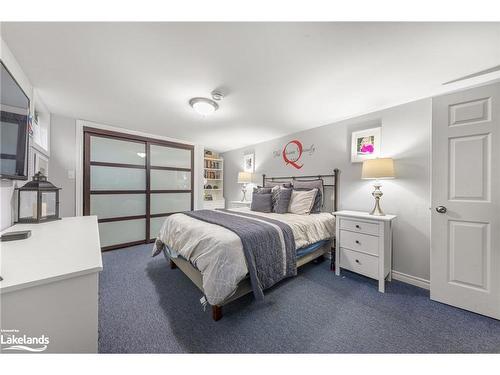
(41,164)
(249,163)
(365,144)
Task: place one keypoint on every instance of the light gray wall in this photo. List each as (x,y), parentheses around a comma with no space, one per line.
(406,133)
(62,161)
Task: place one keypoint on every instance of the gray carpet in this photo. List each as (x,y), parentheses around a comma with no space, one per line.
(145,307)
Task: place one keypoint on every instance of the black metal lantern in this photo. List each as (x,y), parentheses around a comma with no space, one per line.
(38,201)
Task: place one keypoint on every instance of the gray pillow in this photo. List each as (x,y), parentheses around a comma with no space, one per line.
(312,184)
(262,202)
(281,199)
(262,190)
(272,184)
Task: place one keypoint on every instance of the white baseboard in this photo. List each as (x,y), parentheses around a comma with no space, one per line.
(403,277)
(413,280)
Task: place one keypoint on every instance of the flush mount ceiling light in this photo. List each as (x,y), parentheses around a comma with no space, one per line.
(205,106)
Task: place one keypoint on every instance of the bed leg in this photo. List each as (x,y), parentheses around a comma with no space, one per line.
(216,313)
(319,259)
(173,266)
(332,259)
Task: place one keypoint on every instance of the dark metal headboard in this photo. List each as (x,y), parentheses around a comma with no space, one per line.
(334,184)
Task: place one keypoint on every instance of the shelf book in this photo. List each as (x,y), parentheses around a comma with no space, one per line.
(213,180)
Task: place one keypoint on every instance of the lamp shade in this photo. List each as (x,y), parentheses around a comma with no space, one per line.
(382,168)
(244,177)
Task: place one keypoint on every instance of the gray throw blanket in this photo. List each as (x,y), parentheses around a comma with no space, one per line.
(268,245)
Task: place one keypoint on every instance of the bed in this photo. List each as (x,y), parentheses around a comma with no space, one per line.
(204,246)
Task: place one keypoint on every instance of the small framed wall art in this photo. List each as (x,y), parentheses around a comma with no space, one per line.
(365,144)
(249,163)
(40,163)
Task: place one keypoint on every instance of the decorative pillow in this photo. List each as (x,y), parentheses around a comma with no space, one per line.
(317,201)
(312,184)
(262,202)
(272,184)
(262,190)
(281,199)
(302,202)
(275,192)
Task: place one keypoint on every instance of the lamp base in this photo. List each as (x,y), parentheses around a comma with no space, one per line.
(377,194)
(244,191)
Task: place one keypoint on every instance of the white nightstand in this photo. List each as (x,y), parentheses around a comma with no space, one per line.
(237,204)
(364,245)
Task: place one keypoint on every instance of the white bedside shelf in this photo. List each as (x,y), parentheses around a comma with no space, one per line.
(214,204)
(237,204)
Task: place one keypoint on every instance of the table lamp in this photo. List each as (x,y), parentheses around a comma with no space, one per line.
(244,178)
(377,169)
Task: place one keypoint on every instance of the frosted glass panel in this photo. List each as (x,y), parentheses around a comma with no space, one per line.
(170,180)
(48,203)
(116,178)
(117,205)
(162,156)
(117,151)
(28,204)
(170,202)
(117,232)
(155,226)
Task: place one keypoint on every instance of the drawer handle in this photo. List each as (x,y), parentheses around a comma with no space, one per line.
(357,261)
(359,243)
(357,226)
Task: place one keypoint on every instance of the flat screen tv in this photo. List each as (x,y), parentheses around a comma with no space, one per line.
(14,118)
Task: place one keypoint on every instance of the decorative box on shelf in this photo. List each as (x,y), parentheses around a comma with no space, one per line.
(364,244)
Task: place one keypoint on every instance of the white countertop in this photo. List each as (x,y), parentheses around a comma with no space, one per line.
(56,250)
(364,215)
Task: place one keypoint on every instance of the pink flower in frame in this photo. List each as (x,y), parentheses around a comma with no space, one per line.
(365,145)
(367,149)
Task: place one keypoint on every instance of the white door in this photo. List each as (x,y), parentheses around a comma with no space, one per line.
(465,243)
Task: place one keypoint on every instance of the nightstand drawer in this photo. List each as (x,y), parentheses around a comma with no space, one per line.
(359,241)
(359,262)
(359,226)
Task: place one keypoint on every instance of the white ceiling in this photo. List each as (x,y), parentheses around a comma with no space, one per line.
(279,77)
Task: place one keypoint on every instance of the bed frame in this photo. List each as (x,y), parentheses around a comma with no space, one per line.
(244,287)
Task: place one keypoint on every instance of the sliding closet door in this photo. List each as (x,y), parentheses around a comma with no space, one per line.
(133,183)
(171,183)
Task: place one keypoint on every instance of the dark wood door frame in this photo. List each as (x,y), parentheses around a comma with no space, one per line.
(87,163)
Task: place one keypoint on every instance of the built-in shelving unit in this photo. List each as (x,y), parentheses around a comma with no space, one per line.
(213,180)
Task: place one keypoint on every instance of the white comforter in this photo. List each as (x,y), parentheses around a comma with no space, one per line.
(218,253)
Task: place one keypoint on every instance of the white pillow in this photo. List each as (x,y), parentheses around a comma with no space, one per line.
(301,202)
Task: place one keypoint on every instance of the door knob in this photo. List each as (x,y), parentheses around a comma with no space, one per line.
(441,209)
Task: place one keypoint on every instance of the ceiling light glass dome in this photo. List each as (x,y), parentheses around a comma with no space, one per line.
(204,106)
